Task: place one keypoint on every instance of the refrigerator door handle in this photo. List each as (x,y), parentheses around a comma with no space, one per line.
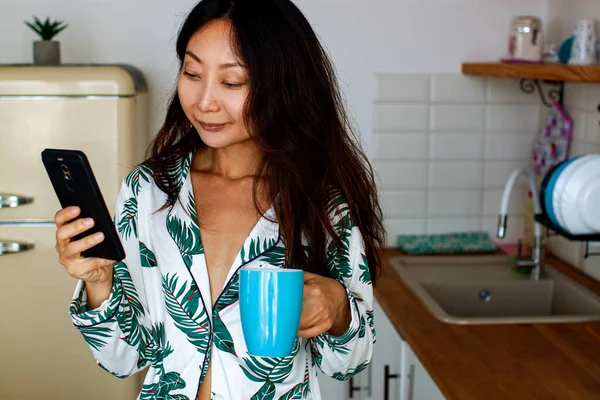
(13,200)
(14,247)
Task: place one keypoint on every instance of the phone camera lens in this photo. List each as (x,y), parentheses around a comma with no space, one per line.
(67,176)
(64,168)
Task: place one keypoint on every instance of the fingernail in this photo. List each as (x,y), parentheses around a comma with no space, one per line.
(74,210)
(88,222)
(98,236)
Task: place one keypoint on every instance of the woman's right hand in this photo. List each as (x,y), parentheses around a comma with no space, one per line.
(96,272)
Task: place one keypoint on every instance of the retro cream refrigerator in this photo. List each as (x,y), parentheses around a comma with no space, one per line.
(100,109)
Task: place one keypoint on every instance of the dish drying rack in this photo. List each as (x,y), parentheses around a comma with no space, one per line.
(543,219)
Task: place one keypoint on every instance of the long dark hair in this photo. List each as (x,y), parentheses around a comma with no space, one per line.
(295,113)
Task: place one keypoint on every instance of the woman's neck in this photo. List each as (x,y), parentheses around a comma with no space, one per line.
(237,161)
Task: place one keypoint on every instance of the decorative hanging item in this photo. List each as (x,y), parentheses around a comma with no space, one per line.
(554,142)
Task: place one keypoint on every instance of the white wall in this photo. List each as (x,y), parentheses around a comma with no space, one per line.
(363,36)
(562,16)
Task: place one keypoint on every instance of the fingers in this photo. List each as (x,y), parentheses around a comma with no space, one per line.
(313,323)
(79,246)
(91,270)
(308,318)
(70,255)
(67,231)
(65,215)
(314,326)
(312,332)
(315,318)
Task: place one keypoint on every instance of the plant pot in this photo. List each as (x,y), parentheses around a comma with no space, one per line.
(46,52)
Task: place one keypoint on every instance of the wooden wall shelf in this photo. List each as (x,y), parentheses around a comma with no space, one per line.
(542,72)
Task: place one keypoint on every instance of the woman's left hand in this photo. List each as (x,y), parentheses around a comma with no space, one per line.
(325,307)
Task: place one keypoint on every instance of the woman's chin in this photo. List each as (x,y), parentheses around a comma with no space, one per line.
(219,140)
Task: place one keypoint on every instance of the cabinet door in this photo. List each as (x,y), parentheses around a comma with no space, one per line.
(387,354)
(361,385)
(418,384)
(332,389)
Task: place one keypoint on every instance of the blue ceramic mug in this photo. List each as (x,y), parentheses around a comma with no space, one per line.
(270,308)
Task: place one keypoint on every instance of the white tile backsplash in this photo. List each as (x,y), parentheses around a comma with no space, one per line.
(403,226)
(507,90)
(493,197)
(455,203)
(457,117)
(518,118)
(398,117)
(579,124)
(579,148)
(575,95)
(454,88)
(444,145)
(456,146)
(402,174)
(592,98)
(448,225)
(508,146)
(400,146)
(497,172)
(455,174)
(405,203)
(571,252)
(592,128)
(402,88)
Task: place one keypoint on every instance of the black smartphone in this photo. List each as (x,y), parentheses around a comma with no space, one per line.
(75,185)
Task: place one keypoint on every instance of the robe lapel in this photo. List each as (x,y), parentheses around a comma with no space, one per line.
(182,225)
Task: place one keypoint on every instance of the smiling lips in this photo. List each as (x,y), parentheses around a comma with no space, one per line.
(212,127)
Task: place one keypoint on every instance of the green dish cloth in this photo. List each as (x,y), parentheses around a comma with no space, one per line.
(447,243)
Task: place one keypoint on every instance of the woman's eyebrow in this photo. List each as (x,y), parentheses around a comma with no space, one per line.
(222,66)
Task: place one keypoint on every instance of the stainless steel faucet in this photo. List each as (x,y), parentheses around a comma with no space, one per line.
(536,261)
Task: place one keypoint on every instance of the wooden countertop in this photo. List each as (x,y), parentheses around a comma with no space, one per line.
(504,362)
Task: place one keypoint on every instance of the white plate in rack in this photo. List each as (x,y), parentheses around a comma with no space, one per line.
(579,205)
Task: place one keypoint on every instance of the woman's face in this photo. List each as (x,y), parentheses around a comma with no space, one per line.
(213,86)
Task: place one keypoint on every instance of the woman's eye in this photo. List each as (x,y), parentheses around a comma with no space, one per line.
(232,85)
(189,74)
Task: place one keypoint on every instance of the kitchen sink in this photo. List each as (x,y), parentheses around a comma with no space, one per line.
(487,289)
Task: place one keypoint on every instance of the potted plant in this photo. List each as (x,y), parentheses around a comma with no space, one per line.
(46,51)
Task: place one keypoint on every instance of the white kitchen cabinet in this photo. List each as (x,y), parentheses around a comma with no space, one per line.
(394,365)
(386,363)
(417,384)
(332,389)
(387,359)
(395,373)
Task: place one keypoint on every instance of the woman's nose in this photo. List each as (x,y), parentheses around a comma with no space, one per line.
(207,101)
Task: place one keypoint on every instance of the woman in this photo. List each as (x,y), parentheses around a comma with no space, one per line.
(255,165)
